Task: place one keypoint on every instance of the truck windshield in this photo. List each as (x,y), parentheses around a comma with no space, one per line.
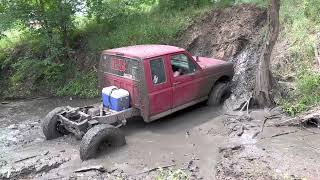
(119,66)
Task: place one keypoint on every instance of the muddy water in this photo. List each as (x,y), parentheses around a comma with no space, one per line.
(202,141)
(187,140)
(22,110)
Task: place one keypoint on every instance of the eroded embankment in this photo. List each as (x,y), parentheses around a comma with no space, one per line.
(232,34)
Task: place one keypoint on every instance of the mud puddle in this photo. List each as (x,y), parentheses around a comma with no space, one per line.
(206,143)
(186,140)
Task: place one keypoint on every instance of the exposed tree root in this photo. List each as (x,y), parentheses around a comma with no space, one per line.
(310,118)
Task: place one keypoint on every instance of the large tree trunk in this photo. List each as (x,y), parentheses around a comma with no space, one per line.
(262,93)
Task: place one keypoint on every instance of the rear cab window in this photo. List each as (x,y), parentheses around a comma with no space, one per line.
(120,66)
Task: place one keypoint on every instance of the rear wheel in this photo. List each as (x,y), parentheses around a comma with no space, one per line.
(220,92)
(98,136)
(51,126)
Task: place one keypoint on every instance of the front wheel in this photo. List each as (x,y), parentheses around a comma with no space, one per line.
(97,136)
(220,92)
(51,127)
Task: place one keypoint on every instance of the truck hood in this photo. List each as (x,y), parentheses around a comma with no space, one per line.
(205,62)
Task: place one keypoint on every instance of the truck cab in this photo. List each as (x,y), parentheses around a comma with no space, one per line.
(162,79)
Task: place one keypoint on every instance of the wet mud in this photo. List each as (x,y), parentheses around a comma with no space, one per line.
(207,143)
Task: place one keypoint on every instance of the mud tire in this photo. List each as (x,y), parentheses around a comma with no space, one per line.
(219,93)
(50,124)
(96,136)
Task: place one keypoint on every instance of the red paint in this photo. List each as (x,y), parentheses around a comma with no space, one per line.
(144,51)
(174,91)
(118,65)
(160,96)
(205,62)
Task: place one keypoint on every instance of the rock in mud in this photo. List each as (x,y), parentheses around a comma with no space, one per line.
(13,126)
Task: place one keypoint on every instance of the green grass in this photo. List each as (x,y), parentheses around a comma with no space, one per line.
(31,75)
(300,22)
(83,85)
(306,95)
(155,26)
(171,174)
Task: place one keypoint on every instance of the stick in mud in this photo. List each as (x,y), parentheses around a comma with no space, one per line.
(281,134)
(153,169)
(25,159)
(261,130)
(91,168)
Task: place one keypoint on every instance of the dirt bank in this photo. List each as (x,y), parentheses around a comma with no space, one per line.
(232,34)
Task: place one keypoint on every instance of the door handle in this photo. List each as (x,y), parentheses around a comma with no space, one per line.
(176,83)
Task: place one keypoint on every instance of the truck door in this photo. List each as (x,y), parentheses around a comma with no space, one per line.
(185,79)
(159,85)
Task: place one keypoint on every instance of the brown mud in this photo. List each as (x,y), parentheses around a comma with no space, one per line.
(231,34)
(205,142)
(188,140)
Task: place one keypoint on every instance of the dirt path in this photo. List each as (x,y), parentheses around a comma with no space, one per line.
(204,142)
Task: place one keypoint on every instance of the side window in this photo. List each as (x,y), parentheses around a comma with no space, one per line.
(157,71)
(181,65)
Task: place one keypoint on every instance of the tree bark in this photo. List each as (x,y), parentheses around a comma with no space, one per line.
(262,93)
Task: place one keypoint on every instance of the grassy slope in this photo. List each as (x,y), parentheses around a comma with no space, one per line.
(300,21)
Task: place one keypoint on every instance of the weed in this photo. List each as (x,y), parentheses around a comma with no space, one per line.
(307,94)
(170,174)
(83,85)
(300,22)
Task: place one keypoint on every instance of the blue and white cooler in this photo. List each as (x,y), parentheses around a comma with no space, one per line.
(114,98)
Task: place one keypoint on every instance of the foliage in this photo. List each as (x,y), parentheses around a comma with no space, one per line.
(32,74)
(312,9)
(307,93)
(50,20)
(44,35)
(155,27)
(260,3)
(83,85)
(171,174)
(301,23)
(108,11)
(182,4)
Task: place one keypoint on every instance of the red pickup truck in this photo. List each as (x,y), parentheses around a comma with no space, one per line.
(160,79)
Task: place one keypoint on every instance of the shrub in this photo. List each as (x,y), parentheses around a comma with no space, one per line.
(83,85)
(31,75)
(306,95)
(171,174)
